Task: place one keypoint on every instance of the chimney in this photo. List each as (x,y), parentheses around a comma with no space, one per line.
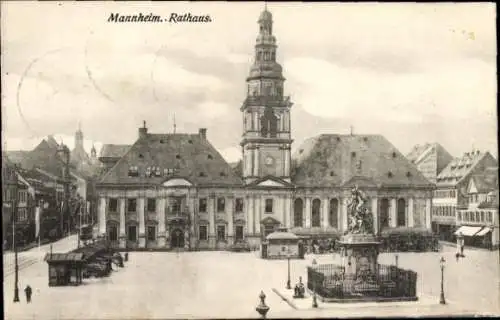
(143,131)
(203,133)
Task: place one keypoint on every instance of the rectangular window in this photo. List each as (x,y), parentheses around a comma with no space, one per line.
(132,233)
(133,171)
(221,233)
(202,233)
(151,233)
(482,216)
(132,205)
(202,205)
(238,206)
(113,233)
(113,205)
(459,216)
(239,233)
(477,216)
(221,204)
(490,215)
(151,205)
(269,206)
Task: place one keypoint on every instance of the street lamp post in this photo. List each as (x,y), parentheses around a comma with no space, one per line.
(288,285)
(441,298)
(397,258)
(315,302)
(14,218)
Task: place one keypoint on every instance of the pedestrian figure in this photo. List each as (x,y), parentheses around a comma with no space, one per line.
(28,292)
(460,244)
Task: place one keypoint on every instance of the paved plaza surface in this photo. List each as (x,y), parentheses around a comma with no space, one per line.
(227,285)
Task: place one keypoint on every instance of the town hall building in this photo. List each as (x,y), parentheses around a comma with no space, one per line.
(175,190)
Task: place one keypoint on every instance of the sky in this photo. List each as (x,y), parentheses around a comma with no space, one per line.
(414,73)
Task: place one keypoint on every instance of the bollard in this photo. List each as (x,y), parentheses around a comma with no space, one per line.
(262,308)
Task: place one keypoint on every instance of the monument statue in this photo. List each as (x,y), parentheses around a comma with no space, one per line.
(360,218)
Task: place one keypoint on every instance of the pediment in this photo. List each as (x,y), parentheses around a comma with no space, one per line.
(270,183)
(270,220)
(177,182)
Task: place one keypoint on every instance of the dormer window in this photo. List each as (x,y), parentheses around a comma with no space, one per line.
(408,174)
(210,157)
(202,174)
(222,174)
(141,155)
(148,172)
(353,154)
(177,156)
(133,171)
(389,174)
(168,171)
(157,171)
(394,154)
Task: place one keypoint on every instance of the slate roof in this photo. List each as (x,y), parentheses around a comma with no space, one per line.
(460,168)
(114,150)
(16,156)
(332,160)
(44,156)
(487,180)
(419,152)
(190,155)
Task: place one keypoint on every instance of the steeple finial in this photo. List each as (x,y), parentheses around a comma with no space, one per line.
(175,125)
(265,5)
(351,130)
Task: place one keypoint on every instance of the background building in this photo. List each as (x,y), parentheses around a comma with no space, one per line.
(451,190)
(176,190)
(430,159)
(479,221)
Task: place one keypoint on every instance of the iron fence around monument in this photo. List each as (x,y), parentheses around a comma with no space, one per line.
(330,281)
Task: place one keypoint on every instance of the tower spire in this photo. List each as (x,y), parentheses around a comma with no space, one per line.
(175,125)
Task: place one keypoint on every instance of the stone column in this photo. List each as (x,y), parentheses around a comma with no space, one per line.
(230,220)
(289,210)
(142,225)
(211,221)
(325,213)
(287,162)
(249,214)
(428,209)
(123,233)
(307,212)
(410,213)
(343,210)
(160,209)
(102,216)
(256,163)
(374,210)
(392,213)
(258,213)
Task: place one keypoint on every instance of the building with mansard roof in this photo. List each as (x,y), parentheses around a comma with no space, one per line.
(177,191)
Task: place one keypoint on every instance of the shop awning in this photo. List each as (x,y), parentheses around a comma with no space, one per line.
(467,231)
(483,232)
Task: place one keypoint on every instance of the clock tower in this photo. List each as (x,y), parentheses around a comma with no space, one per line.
(266,138)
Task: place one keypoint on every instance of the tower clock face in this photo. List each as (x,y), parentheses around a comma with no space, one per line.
(269,161)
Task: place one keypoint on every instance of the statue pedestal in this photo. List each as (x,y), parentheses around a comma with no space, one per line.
(359,259)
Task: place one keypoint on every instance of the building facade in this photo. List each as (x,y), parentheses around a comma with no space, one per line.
(451,190)
(176,190)
(478,223)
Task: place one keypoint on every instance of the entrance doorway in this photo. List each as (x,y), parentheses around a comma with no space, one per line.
(177,239)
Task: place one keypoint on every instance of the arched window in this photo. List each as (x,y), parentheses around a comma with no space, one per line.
(333,215)
(268,123)
(315,215)
(298,210)
(384,213)
(401,211)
